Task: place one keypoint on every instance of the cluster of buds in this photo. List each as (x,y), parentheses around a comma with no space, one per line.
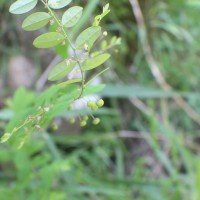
(95,105)
(83,120)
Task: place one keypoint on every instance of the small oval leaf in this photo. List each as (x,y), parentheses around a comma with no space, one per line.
(72,16)
(95,62)
(22,6)
(77,80)
(61,70)
(48,40)
(88,37)
(36,21)
(57,4)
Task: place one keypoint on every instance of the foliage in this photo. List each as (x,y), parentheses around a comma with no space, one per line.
(145,147)
(38,114)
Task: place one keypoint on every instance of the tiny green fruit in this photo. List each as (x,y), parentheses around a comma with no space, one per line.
(94,107)
(83,123)
(90,104)
(100,102)
(96,121)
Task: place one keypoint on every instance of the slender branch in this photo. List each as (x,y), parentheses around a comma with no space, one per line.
(70,43)
(97,76)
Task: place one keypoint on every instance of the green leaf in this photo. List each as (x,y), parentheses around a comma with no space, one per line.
(143,92)
(61,70)
(22,6)
(5,137)
(36,21)
(77,80)
(72,16)
(57,4)
(95,62)
(17,103)
(88,37)
(48,40)
(98,18)
(61,49)
(91,89)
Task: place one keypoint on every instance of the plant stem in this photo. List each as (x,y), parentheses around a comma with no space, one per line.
(96,76)
(71,45)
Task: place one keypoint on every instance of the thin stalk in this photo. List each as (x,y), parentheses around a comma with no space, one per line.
(96,76)
(70,43)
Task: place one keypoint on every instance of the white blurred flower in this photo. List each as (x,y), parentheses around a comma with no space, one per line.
(76,73)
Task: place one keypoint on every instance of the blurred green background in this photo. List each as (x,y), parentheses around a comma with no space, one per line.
(147,145)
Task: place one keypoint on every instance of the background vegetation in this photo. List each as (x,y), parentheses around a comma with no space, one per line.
(147,145)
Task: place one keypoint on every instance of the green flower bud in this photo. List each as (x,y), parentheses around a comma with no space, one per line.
(96,121)
(90,104)
(83,123)
(94,107)
(100,102)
